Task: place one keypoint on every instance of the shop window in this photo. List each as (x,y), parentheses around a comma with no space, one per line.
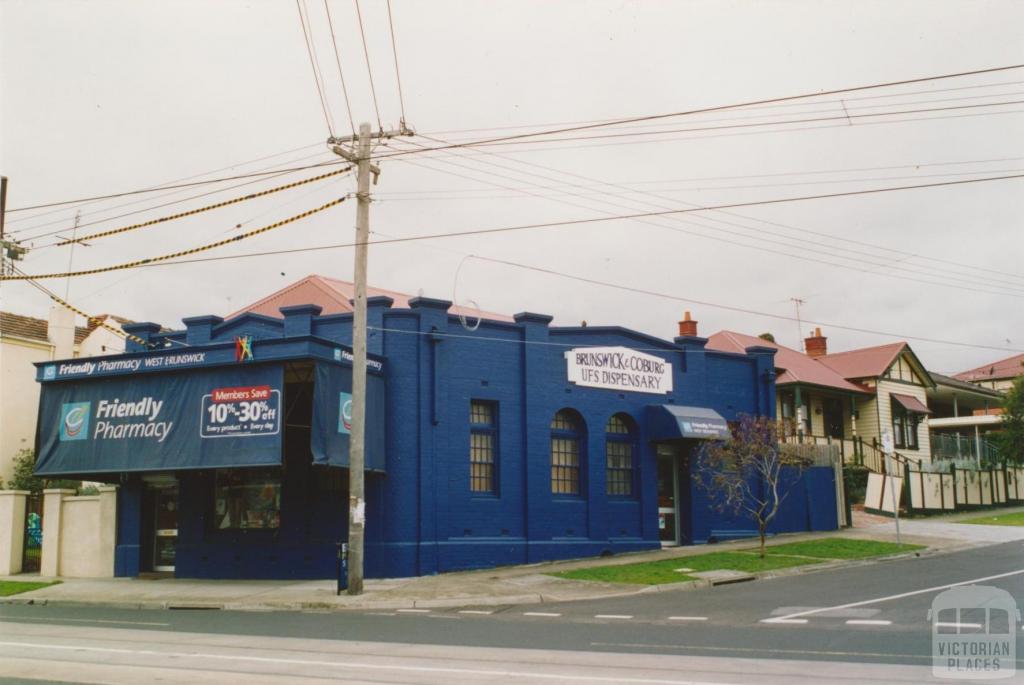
(619,450)
(247,499)
(483,438)
(566,435)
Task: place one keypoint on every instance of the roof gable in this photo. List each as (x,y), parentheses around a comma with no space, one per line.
(873,362)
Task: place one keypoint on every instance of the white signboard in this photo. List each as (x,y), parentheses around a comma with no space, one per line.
(618,368)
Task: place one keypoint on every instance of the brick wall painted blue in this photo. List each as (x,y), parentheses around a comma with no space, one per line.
(422,516)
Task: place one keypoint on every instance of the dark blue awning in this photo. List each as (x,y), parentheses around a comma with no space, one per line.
(205,418)
(672,421)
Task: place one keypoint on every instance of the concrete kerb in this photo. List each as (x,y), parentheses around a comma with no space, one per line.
(572,590)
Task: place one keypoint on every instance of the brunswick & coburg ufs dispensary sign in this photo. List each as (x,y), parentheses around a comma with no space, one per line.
(618,368)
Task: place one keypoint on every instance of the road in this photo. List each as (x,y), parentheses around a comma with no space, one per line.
(861,624)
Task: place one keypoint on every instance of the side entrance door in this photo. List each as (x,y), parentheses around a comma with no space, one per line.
(165,527)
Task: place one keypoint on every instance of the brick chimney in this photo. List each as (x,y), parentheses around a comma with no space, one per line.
(687,326)
(816,346)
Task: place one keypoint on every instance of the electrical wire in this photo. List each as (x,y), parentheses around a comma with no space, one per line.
(199,210)
(570,222)
(717,108)
(161,185)
(857,266)
(369,70)
(337,60)
(91,319)
(314,63)
(394,51)
(185,185)
(102,220)
(741,216)
(181,253)
(752,107)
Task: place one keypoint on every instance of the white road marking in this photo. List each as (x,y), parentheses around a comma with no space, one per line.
(476,611)
(540,613)
(687,618)
(85,620)
(615,616)
(867,622)
(786,619)
(413,611)
(490,673)
(945,624)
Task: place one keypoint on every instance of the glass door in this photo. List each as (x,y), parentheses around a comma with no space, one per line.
(668,496)
(165,534)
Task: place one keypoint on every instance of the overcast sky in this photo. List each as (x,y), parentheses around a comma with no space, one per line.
(102,97)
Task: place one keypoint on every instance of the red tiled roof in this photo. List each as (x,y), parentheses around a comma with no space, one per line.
(796,366)
(867,362)
(1011,367)
(31,328)
(334,296)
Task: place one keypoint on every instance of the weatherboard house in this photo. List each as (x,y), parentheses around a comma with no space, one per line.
(490,440)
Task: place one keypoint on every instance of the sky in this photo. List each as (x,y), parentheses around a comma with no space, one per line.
(103,97)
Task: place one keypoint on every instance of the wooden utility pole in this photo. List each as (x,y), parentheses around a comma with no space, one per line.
(357,438)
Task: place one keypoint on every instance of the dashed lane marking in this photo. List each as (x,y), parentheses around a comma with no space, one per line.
(476,611)
(789,621)
(620,617)
(541,613)
(867,622)
(413,611)
(687,618)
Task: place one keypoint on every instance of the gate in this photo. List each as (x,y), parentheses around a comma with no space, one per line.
(33,538)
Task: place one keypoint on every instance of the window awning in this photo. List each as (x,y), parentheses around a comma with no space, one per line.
(672,421)
(207,418)
(911,404)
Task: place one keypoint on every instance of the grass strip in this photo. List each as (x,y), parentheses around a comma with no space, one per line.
(15,587)
(746,560)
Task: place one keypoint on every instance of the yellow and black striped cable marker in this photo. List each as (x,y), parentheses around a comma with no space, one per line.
(173,255)
(200,210)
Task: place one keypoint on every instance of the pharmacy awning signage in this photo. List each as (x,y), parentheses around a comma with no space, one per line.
(618,368)
(204,418)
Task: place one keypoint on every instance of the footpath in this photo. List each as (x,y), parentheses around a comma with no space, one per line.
(527,584)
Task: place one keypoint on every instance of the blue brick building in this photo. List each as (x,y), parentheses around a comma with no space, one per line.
(505,443)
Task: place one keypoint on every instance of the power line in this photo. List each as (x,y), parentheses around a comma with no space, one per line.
(337,59)
(181,185)
(314,63)
(752,107)
(858,266)
(272,175)
(742,216)
(394,51)
(176,180)
(369,70)
(571,222)
(756,124)
(181,253)
(199,210)
(702,110)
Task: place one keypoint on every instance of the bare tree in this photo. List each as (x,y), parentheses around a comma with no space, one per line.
(750,474)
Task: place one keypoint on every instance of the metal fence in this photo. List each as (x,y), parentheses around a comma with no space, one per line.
(33,538)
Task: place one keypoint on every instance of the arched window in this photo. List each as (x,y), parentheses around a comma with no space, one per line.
(619,451)
(566,434)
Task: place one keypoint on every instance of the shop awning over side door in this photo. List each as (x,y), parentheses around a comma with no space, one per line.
(332,417)
(672,421)
(206,418)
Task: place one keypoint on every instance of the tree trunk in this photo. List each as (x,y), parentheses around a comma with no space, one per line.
(762,532)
